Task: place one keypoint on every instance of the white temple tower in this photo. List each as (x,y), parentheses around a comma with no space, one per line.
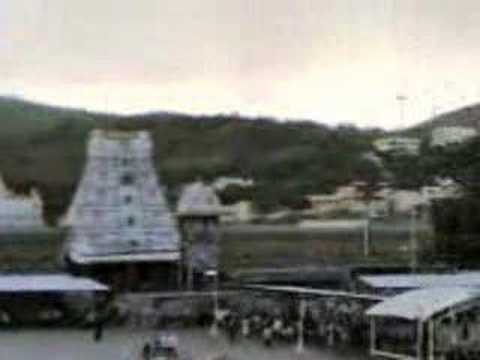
(20,212)
(119,221)
(199,211)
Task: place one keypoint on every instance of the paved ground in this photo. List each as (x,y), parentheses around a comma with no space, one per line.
(121,344)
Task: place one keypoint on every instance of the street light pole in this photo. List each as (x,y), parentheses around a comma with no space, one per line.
(366,233)
(214,328)
(401,101)
(413,241)
(301,326)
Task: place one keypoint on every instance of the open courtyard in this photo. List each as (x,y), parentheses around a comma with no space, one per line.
(122,344)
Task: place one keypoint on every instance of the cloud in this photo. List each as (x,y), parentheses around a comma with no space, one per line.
(328,60)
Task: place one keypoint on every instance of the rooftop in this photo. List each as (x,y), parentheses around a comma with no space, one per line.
(415,281)
(199,199)
(48,283)
(423,304)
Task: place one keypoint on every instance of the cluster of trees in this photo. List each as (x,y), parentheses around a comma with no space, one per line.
(457,221)
(45,147)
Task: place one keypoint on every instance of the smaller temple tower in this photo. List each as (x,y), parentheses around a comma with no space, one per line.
(20,212)
(198,213)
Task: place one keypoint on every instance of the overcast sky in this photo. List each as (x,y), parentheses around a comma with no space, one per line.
(327,60)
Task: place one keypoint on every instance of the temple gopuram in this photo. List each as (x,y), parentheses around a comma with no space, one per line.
(198,213)
(120,229)
(20,212)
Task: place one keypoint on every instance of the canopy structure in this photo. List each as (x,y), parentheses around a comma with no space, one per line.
(48,283)
(423,304)
(309,292)
(419,308)
(417,281)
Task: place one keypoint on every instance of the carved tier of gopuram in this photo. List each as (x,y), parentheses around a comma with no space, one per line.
(198,212)
(120,227)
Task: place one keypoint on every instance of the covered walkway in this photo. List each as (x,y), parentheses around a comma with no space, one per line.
(425,324)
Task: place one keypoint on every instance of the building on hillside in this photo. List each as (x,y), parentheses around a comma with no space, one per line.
(383,202)
(345,198)
(405,201)
(352,199)
(449,135)
(20,212)
(442,189)
(240,212)
(198,213)
(120,228)
(398,145)
(373,158)
(223,182)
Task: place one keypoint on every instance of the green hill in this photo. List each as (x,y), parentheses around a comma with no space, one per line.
(465,116)
(44,146)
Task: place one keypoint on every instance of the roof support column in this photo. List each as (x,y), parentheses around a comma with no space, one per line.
(373,335)
(420,340)
(431,339)
(301,324)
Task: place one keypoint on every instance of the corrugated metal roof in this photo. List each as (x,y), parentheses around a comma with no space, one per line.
(304,291)
(422,304)
(415,281)
(48,283)
(152,257)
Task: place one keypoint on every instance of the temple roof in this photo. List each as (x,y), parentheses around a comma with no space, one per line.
(199,199)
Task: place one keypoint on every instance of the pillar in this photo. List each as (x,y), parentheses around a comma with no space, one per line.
(301,326)
(431,339)
(373,336)
(420,340)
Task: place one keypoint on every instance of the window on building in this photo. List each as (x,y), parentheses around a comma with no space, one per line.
(127,179)
(128,199)
(134,243)
(131,221)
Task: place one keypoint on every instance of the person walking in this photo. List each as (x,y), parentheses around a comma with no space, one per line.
(267,335)
(98,329)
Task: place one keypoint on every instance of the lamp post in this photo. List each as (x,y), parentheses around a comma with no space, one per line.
(402,99)
(413,241)
(214,275)
(301,326)
(366,232)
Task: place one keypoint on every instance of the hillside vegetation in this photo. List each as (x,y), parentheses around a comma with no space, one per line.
(466,116)
(44,146)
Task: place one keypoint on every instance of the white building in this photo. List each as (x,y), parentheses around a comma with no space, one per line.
(449,135)
(119,213)
(240,212)
(405,201)
(346,198)
(20,212)
(443,189)
(398,145)
(222,182)
(352,199)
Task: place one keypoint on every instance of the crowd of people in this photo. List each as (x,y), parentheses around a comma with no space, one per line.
(326,321)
